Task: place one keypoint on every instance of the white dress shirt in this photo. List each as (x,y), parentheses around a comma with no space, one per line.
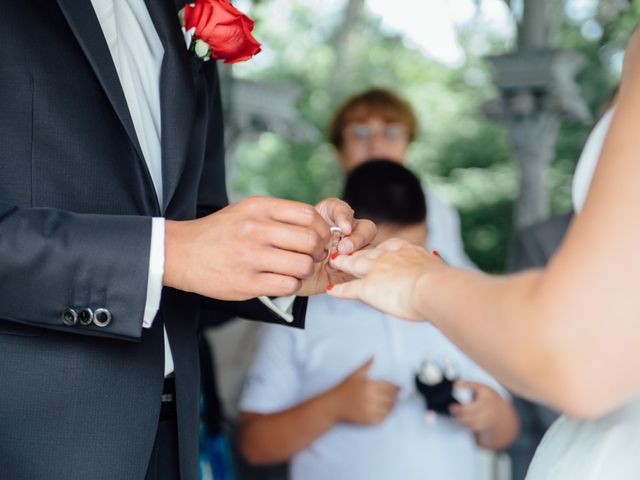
(137,54)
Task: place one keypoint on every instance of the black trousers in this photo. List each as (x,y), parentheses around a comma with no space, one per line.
(164,463)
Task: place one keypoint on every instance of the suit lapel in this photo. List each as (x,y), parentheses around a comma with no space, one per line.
(83,22)
(177,95)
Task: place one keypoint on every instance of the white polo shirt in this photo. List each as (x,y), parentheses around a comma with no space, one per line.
(292,366)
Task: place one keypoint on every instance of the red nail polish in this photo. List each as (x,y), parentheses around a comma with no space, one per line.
(334,256)
(350,254)
(435,252)
(329,287)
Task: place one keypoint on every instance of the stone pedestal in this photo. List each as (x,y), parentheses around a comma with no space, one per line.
(537,91)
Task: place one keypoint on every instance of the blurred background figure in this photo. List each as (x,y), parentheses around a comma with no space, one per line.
(379,124)
(339,398)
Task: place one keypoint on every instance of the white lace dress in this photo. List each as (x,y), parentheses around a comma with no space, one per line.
(608,447)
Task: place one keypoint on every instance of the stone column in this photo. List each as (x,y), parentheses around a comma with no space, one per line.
(537,90)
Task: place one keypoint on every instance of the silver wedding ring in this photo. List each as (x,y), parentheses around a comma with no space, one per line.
(339,237)
(336,238)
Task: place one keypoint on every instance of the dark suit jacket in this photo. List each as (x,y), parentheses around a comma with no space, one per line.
(76,201)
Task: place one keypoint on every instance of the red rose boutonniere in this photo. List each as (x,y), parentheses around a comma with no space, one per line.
(216,29)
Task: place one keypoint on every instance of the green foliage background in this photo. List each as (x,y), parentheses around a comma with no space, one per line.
(460,153)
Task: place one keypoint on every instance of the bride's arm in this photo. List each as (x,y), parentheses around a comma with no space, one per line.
(569,335)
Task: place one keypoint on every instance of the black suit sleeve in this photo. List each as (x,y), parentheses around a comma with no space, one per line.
(53,260)
(212,196)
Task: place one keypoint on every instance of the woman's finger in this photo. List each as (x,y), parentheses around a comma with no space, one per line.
(357,265)
(347,291)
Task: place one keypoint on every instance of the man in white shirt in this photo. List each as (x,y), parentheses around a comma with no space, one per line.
(340,400)
(111,167)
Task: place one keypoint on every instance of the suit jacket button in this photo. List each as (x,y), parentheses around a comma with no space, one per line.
(70,317)
(85,317)
(102,317)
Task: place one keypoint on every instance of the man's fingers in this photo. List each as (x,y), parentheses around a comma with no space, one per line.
(337,212)
(469,415)
(282,262)
(470,410)
(382,410)
(342,217)
(473,423)
(385,391)
(293,238)
(468,392)
(387,387)
(275,285)
(362,235)
(364,368)
(387,401)
(475,386)
(289,212)
(460,413)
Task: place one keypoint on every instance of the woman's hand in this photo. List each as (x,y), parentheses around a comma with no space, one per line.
(387,277)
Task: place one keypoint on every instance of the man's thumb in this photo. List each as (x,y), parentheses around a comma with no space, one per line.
(364,368)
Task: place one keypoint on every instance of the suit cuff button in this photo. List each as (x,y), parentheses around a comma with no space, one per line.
(102,317)
(85,317)
(70,317)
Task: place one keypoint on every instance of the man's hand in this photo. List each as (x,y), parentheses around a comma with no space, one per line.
(363,401)
(259,246)
(357,234)
(489,416)
(483,412)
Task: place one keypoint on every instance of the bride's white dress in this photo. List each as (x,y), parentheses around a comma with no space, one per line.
(608,447)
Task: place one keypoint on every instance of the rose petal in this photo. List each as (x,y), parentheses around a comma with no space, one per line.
(192,15)
(203,20)
(249,23)
(225,11)
(231,39)
(224,28)
(249,48)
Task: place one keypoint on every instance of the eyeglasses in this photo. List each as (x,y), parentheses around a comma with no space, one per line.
(390,131)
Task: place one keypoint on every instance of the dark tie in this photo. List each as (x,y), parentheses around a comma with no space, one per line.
(177,94)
